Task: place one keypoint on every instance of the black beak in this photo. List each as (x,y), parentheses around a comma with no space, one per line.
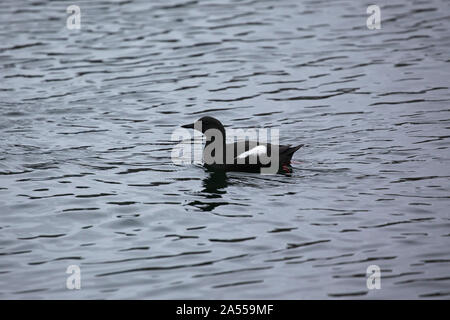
(188,126)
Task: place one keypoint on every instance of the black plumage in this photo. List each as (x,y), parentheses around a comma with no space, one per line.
(237,156)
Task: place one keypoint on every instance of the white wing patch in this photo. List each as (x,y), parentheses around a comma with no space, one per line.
(256,151)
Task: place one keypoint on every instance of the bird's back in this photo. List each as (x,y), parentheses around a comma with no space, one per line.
(251,156)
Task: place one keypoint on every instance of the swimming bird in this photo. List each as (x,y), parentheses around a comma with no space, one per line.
(247,156)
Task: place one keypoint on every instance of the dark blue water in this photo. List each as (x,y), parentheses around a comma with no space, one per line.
(86,176)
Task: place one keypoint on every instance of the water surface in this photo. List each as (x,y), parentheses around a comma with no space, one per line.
(86,176)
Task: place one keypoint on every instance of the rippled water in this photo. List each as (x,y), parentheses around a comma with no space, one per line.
(86,176)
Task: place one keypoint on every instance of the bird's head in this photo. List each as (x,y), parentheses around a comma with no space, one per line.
(205,123)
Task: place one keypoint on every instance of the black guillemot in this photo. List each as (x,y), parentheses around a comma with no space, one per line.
(246,156)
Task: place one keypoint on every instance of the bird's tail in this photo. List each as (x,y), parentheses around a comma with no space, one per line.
(292,150)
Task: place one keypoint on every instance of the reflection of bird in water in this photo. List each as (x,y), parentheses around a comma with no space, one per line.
(213,187)
(214,183)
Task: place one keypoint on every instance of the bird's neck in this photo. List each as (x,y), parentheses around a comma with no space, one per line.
(216,144)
